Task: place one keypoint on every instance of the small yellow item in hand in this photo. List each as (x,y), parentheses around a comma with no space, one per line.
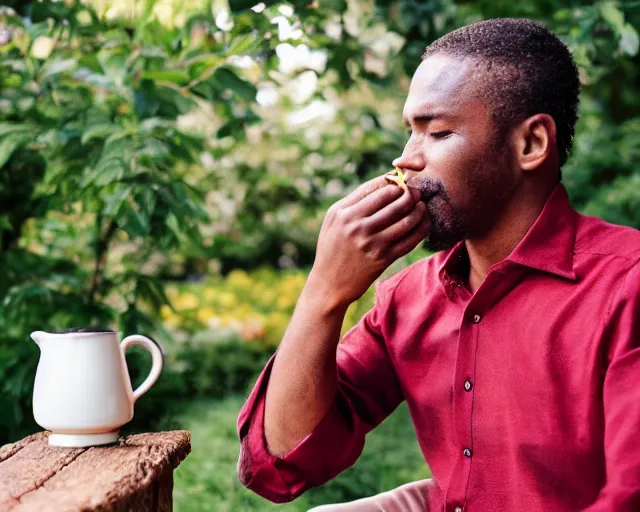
(397,176)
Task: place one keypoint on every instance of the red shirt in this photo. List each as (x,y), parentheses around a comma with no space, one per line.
(524,396)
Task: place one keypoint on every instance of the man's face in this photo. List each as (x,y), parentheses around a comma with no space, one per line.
(454,155)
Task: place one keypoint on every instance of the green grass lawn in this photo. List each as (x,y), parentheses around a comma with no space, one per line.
(207,479)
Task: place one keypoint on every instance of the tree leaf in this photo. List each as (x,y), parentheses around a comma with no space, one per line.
(227,79)
(57,66)
(240,5)
(5,223)
(242,44)
(612,15)
(629,41)
(151,289)
(100,131)
(7,128)
(175,76)
(113,202)
(146,102)
(133,222)
(10,143)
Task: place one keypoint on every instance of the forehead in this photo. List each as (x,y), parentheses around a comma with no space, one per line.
(442,84)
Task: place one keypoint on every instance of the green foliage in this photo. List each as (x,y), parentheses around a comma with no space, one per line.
(254,307)
(94,179)
(207,479)
(206,368)
(152,145)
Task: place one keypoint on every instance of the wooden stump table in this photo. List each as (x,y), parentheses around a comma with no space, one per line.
(134,475)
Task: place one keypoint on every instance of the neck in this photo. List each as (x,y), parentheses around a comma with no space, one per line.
(514,222)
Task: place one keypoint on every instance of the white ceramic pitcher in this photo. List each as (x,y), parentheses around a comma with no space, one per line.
(82,391)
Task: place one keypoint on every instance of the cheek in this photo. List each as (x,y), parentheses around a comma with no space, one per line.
(455,162)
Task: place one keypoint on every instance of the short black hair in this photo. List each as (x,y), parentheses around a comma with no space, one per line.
(526,69)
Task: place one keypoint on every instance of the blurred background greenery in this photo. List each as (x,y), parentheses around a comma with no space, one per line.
(166,165)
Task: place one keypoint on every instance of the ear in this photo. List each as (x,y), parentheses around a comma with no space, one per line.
(535,141)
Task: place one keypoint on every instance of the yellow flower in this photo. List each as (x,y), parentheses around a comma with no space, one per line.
(267,298)
(186,301)
(242,311)
(258,290)
(172,292)
(205,314)
(210,294)
(292,284)
(238,279)
(173,320)
(227,300)
(286,301)
(165,312)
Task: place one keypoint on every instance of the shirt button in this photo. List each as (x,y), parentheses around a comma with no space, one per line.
(467,453)
(467,385)
(476,319)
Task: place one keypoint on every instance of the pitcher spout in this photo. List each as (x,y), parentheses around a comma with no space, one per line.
(39,336)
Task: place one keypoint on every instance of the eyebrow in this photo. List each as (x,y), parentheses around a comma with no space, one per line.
(425,117)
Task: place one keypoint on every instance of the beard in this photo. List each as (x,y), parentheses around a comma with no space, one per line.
(490,186)
(448,226)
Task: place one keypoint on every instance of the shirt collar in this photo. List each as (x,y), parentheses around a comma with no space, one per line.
(547,246)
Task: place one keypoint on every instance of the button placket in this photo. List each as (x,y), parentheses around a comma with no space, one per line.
(463,401)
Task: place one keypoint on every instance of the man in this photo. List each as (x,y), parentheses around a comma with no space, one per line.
(517,347)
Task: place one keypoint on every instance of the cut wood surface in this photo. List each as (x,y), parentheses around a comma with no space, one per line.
(134,475)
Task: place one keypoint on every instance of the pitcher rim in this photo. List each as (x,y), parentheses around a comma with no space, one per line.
(79,334)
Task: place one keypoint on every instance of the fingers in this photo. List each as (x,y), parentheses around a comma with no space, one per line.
(377,200)
(410,241)
(381,218)
(364,190)
(404,223)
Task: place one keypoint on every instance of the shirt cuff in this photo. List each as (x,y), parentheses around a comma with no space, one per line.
(320,456)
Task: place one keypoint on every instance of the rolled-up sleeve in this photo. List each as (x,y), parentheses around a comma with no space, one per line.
(368,391)
(621,400)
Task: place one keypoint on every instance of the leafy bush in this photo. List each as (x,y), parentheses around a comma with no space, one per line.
(255,306)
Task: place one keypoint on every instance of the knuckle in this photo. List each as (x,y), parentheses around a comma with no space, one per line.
(340,215)
(353,228)
(377,253)
(364,245)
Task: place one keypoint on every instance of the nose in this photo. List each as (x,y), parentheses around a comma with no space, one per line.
(412,158)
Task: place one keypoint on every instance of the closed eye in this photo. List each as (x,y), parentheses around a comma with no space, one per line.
(441,135)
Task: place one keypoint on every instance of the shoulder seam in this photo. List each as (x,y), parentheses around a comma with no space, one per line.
(406,271)
(621,287)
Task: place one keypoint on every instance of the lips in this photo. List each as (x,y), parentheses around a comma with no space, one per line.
(428,188)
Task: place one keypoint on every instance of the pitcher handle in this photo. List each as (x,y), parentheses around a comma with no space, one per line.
(156,361)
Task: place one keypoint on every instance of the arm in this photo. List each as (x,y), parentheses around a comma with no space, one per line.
(621,399)
(307,415)
(360,237)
